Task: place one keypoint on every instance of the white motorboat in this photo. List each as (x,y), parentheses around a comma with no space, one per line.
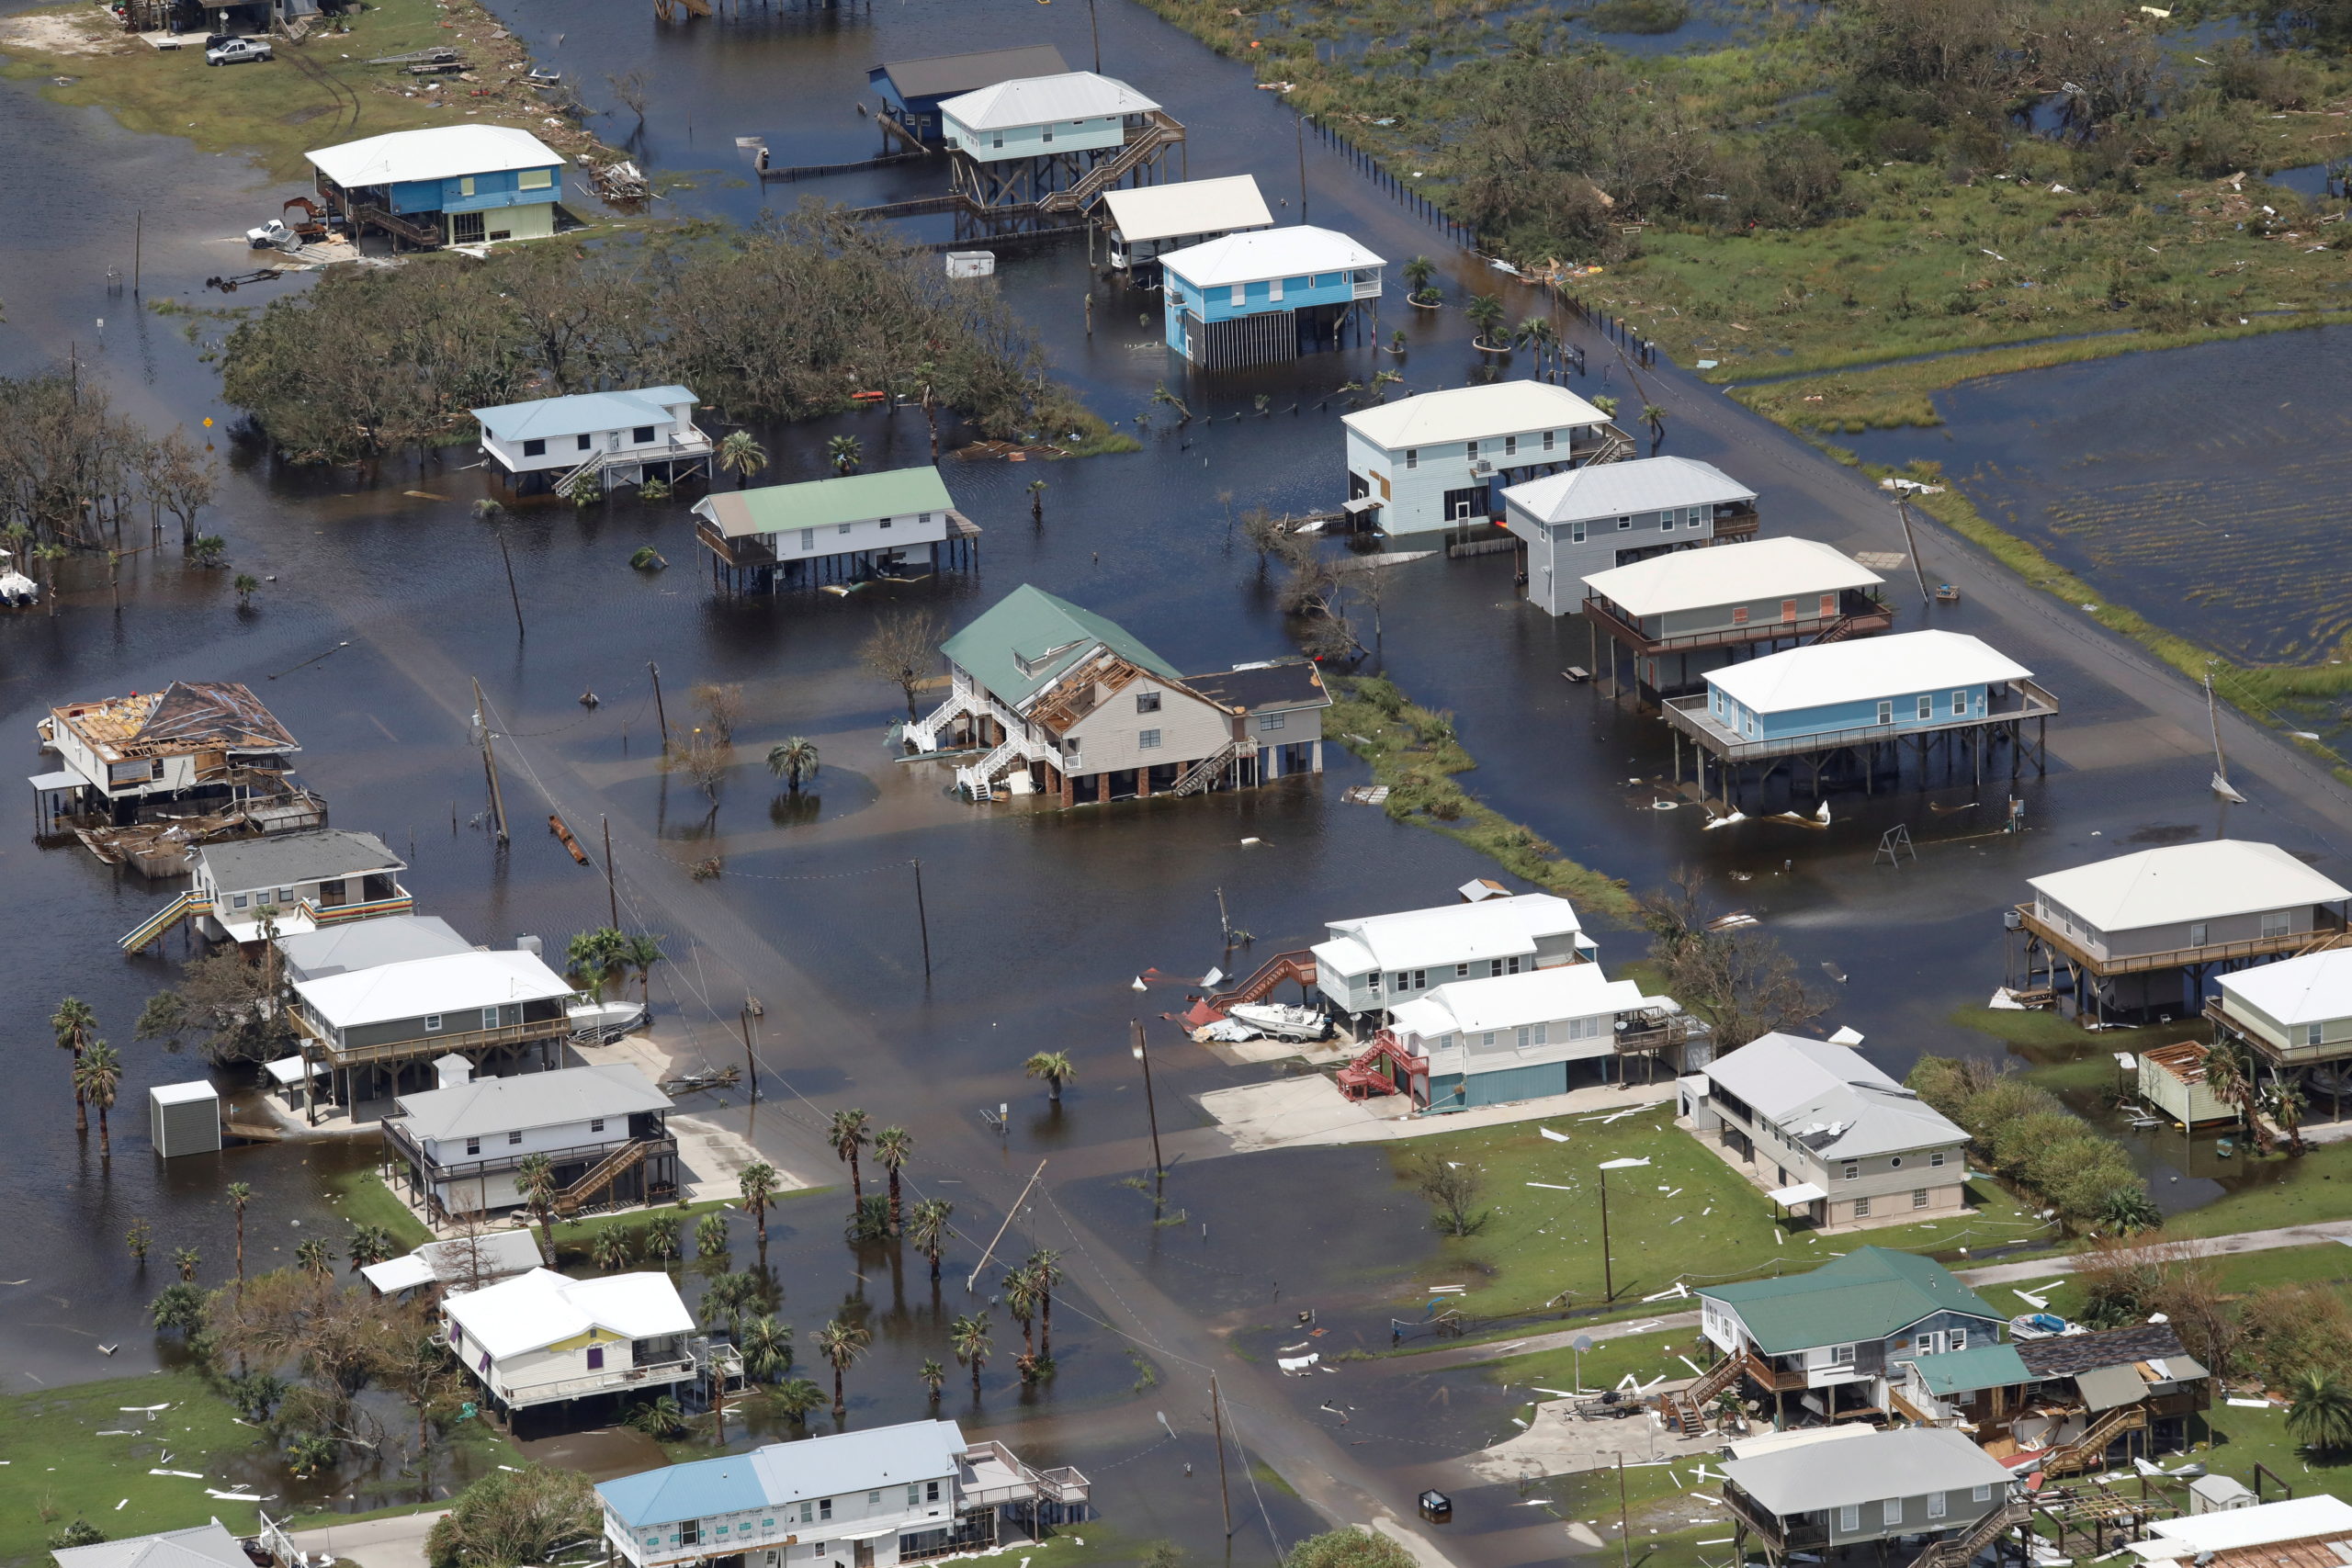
(16,590)
(1282,1022)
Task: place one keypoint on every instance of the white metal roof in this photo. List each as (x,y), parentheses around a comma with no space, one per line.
(440,153)
(1728,574)
(1188,207)
(496,1254)
(523,1100)
(198,1546)
(539,1308)
(584,413)
(1473,413)
(2187,882)
(1506,1001)
(1826,673)
(1261,254)
(779,1473)
(2315,989)
(1830,1099)
(450,983)
(183,1093)
(1802,1438)
(1907,1462)
(1033,100)
(2295,1518)
(1618,489)
(1450,933)
(362,945)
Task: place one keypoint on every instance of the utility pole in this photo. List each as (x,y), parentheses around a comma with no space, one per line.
(138,248)
(922,921)
(612,893)
(1608,1275)
(1625,1516)
(1151,1107)
(1302,168)
(751,1061)
(1903,510)
(511,594)
(659,711)
(1009,1214)
(1094,28)
(490,763)
(1216,1414)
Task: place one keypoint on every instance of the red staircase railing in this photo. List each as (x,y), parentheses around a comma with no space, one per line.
(1364,1078)
(1298,967)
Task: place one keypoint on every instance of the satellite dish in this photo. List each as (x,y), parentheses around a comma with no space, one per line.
(1581,1343)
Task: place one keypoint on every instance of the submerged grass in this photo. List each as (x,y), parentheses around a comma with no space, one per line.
(1415,753)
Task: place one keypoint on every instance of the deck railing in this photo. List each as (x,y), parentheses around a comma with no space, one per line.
(529,1032)
(2177,958)
(1866,613)
(1689,715)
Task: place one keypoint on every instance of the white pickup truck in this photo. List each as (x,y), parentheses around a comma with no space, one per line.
(228,51)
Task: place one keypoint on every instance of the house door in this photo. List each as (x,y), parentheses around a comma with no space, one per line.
(865,1554)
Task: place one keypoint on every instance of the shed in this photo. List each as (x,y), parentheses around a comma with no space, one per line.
(184,1119)
(2219,1494)
(2172,1078)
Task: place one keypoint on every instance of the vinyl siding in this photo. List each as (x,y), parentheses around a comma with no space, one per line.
(1189,731)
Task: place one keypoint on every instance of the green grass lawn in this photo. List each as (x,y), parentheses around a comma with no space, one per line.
(2325,1264)
(1687,1216)
(1645,1357)
(361,1197)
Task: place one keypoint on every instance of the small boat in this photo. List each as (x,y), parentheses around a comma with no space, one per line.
(603,1022)
(1947,594)
(2038,1325)
(1281,1022)
(16,590)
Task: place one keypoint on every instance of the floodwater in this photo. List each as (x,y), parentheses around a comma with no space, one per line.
(1036,922)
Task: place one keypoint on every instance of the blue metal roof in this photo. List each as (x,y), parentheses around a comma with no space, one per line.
(582,413)
(784,1473)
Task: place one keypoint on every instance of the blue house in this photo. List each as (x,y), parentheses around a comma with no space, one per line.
(1268,296)
(1047,144)
(453,184)
(912,90)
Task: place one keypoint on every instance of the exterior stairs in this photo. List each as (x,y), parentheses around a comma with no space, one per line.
(152,928)
(600,1178)
(587,467)
(1362,1078)
(2089,1450)
(978,780)
(1960,1549)
(1685,1410)
(1298,967)
(1159,131)
(1204,773)
(1615,446)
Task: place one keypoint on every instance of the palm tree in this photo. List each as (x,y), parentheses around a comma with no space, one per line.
(1606,405)
(841,1342)
(97,1077)
(1483,312)
(767,1347)
(933,1376)
(794,760)
(848,1134)
(1417,274)
(240,1194)
(47,556)
(845,453)
(2129,1207)
(796,1397)
(77,1026)
(927,1228)
(368,1245)
(1037,499)
(2226,1079)
(535,1184)
(742,455)
(662,1238)
(968,1336)
(710,1237)
(641,953)
(316,1255)
(1537,333)
(609,1252)
(1046,1267)
(596,957)
(731,1299)
(1055,1067)
(1021,1300)
(2319,1411)
(2287,1110)
(894,1146)
(186,1260)
(1655,417)
(760,1184)
(660,1417)
(245,585)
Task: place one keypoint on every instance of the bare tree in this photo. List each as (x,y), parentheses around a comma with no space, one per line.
(628,89)
(903,650)
(1452,1189)
(704,760)
(185,482)
(1740,982)
(723,707)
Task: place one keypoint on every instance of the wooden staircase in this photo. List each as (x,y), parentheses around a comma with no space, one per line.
(1362,1078)
(1298,967)
(1959,1551)
(1202,774)
(152,928)
(613,1167)
(2089,1450)
(1160,132)
(1685,1410)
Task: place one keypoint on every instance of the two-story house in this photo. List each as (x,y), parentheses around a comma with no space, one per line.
(1917,1481)
(1606,515)
(1829,1136)
(1441,462)
(1067,703)
(194,748)
(2296,1016)
(366,1030)
(2065,1403)
(844,530)
(914,1493)
(1373,963)
(1688,611)
(240,889)
(2140,934)
(603,439)
(446,184)
(1539,1031)
(1055,142)
(540,1338)
(604,1131)
(1833,1341)
(1268,296)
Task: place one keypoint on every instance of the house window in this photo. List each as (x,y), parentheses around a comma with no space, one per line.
(1926,707)
(2312,1032)
(239,901)
(1494,967)
(689,1532)
(1240,295)
(1861,1208)
(1936,1157)
(1547,441)
(1886,713)
(1539,1036)
(431,1023)
(1274,289)
(584,441)
(1841,1355)
(1959,1341)
(1462,971)
(1511,446)
(1958,704)
(1526,1037)
(924,519)
(1849,1518)
(473,1145)
(1148,739)
(1371,983)
(466,185)
(535,448)
(1894,1164)
(1919,1198)
(2197,933)
(1624,522)
(597,1124)
(931,1491)
(2275,923)
(874,1499)
(1147,702)
(1853,1169)
(1935,1504)
(996,139)
(824,1508)
(514,1136)
(1273,720)
(808,538)
(1828,605)
(846,526)
(808,1512)
(535,179)
(1400,984)
(1047,132)
(885,522)
(1984,1492)
(595,1358)
(914,1494)
(1575,533)
(1739,615)
(640,436)
(1412,456)
(490,1018)
(1788,610)
(1891,1511)
(1420,980)
(1487,1038)
(286,894)
(1470,450)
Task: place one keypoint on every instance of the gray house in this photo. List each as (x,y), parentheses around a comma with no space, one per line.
(604,1131)
(294,882)
(398,1017)
(1919,1481)
(1609,514)
(200,1546)
(1687,612)
(365,945)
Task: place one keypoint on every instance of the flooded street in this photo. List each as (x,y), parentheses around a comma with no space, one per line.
(383,600)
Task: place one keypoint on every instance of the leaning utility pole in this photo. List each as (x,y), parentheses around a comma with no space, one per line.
(1216,1414)
(490,763)
(659,711)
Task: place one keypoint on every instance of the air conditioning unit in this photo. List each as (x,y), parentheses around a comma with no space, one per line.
(1482,467)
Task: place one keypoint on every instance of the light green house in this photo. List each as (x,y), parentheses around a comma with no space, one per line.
(2172,1078)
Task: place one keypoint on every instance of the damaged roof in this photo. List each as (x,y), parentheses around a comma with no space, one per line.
(187,716)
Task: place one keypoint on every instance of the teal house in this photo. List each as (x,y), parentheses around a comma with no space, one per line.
(1268,296)
(1052,144)
(450,184)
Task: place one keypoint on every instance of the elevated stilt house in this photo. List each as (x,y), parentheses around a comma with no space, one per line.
(1146,222)
(1049,147)
(1268,296)
(851,530)
(603,1130)
(598,440)
(1441,462)
(369,1031)
(195,750)
(446,184)
(2295,1016)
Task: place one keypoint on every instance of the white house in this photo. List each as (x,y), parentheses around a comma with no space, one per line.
(1439,461)
(1029,115)
(1150,220)
(2296,1014)
(1512,1037)
(387,1022)
(908,1494)
(539,1338)
(1377,961)
(603,1130)
(1827,1133)
(196,746)
(1688,611)
(854,526)
(613,438)
(1612,514)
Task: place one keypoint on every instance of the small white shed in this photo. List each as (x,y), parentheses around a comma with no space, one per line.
(2219,1494)
(184,1119)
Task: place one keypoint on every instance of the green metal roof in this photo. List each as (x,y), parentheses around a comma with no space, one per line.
(1980,1366)
(1867,1294)
(1024,641)
(818,503)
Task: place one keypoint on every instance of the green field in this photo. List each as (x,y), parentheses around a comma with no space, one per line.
(1686,1217)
